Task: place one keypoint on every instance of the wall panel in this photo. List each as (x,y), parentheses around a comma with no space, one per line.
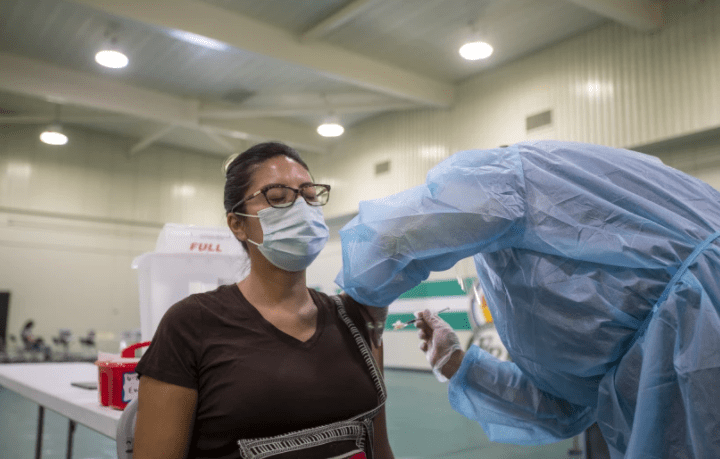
(73,218)
(94,176)
(698,156)
(413,143)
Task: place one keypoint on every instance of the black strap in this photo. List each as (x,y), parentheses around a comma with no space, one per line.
(365,350)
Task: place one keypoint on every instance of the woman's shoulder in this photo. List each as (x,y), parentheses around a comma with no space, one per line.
(351,307)
(192,306)
(321,297)
(327,302)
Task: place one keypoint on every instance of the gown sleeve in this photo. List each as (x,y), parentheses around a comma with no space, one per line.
(471,202)
(509,407)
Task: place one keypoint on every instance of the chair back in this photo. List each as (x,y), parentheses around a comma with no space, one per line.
(125,435)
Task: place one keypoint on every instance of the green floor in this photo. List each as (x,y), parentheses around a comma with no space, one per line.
(421,424)
(18,427)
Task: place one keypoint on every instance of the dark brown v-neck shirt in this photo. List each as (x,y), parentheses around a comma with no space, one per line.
(254,380)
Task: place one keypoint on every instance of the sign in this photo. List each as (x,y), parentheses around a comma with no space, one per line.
(175,238)
(131,384)
(205,247)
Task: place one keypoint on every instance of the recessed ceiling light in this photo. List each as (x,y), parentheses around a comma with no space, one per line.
(476,50)
(111,59)
(53,136)
(330,130)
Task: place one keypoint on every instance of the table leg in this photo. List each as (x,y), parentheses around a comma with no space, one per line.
(38,443)
(71,432)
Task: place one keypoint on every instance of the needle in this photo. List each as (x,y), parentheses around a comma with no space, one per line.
(415,320)
(398,325)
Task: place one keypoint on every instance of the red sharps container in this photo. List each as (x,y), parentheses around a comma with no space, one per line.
(117,380)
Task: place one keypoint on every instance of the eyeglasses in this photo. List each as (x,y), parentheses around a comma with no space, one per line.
(285,196)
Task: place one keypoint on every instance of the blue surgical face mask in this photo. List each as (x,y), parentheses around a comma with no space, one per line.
(292,236)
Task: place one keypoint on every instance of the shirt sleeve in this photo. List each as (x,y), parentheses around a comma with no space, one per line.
(509,407)
(173,354)
(470,203)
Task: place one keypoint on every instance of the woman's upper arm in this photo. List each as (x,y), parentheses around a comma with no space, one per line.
(164,419)
(381,443)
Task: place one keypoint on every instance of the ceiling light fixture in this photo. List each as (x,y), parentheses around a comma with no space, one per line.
(54,135)
(476,50)
(111,59)
(330,130)
(331,127)
(110,56)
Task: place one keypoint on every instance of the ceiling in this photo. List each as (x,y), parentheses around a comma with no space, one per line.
(215,75)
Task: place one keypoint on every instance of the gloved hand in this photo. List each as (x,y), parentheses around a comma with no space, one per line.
(374,317)
(439,343)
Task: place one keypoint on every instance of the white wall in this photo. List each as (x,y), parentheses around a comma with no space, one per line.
(93,176)
(699,157)
(73,218)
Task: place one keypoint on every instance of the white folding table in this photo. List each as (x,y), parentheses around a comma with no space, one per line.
(49,385)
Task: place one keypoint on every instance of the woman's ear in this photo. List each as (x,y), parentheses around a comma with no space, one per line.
(237,226)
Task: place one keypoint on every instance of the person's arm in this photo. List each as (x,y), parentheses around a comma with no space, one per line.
(473,202)
(508,406)
(381,443)
(496,393)
(164,420)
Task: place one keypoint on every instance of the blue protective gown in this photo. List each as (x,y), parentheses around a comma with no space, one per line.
(601,268)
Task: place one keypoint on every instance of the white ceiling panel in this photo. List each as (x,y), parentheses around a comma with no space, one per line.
(69,35)
(424,36)
(205,73)
(293,16)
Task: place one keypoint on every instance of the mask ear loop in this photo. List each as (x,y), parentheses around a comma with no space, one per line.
(253,242)
(248,215)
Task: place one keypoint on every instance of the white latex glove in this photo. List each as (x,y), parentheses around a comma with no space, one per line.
(438,341)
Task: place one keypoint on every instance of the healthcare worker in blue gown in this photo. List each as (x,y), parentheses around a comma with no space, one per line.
(601,268)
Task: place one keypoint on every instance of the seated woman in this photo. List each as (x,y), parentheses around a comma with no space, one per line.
(265,368)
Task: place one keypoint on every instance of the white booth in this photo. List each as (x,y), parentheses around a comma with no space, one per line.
(187,259)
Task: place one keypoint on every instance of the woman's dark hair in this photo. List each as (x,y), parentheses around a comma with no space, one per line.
(239,172)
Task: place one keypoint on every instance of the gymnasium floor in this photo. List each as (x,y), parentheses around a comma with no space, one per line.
(421,424)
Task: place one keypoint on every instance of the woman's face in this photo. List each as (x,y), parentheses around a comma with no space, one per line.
(279,170)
